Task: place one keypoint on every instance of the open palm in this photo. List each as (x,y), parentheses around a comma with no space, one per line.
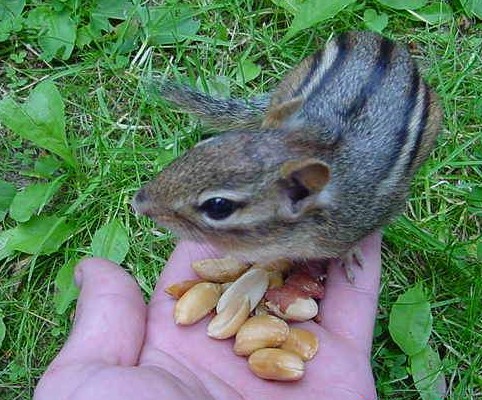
(120,348)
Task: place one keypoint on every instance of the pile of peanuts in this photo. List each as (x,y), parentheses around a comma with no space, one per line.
(254,303)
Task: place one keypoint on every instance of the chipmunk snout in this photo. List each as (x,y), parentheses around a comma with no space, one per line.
(141,204)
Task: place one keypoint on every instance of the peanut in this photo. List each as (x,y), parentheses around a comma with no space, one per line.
(176,290)
(282,265)
(276,364)
(219,270)
(258,332)
(301,342)
(196,303)
(228,322)
(276,351)
(291,304)
(252,283)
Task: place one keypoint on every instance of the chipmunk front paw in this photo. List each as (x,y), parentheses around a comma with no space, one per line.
(353,257)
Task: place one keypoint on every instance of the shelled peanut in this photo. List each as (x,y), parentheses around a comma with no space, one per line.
(254,304)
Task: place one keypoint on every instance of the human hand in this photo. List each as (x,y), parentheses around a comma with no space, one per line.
(120,348)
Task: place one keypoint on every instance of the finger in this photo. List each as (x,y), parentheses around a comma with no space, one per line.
(179,266)
(161,306)
(349,310)
(110,317)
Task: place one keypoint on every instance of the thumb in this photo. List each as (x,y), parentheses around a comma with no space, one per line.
(108,329)
(110,316)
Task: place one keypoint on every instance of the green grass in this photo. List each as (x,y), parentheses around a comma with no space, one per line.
(122,140)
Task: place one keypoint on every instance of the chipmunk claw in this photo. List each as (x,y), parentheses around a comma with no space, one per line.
(353,257)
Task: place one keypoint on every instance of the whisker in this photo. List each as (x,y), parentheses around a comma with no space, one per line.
(197,235)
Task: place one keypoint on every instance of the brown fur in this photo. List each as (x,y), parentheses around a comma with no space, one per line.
(348,115)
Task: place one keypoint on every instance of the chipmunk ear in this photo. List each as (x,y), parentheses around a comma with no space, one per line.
(300,184)
(278,114)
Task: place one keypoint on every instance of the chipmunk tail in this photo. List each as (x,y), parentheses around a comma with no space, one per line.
(222,114)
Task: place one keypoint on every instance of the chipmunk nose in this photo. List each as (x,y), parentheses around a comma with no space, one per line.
(140,203)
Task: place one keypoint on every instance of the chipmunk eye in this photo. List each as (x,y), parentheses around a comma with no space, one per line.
(218,208)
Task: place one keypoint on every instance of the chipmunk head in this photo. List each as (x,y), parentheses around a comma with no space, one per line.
(243,192)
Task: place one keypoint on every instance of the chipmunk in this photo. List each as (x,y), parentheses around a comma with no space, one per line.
(309,170)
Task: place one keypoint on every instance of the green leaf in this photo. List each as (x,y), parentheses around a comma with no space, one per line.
(127,34)
(375,22)
(403,4)
(113,9)
(426,369)
(84,36)
(247,71)
(7,193)
(166,26)
(56,31)
(40,235)
(472,7)
(437,13)
(10,20)
(5,29)
(32,199)
(66,289)
(111,242)
(11,9)
(58,36)
(291,6)
(45,166)
(3,329)
(40,119)
(411,321)
(6,249)
(94,30)
(312,12)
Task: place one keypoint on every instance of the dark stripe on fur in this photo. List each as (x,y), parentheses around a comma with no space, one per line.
(343,43)
(374,80)
(421,128)
(309,76)
(402,135)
